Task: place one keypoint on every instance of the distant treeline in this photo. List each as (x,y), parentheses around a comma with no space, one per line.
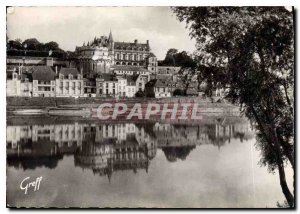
(32,47)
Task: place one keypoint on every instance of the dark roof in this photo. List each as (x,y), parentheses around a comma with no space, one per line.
(43,73)
(156,83)
(131,80)
(121,45)
(67,71)
(128,68)
(107,77)
(26,75)
(151,55)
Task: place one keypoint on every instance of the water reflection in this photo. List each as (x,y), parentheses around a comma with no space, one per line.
(106,148)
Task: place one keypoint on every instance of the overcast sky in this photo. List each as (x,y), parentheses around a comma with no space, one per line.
(71,26)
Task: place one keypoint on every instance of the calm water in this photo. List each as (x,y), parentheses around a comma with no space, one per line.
(86,163)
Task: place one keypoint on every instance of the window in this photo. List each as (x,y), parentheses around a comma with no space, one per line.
(70,76)
(15,76)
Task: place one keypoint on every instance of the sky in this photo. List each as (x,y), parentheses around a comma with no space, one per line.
(71,26)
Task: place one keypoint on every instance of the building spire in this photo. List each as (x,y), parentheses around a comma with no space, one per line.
(110,38)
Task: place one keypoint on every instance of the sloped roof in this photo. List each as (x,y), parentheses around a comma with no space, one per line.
(151,55)
(26,75)
(127,68)
(67,71)
(121,45)
(131,80)
(43,73)
(107,77)
(156,83)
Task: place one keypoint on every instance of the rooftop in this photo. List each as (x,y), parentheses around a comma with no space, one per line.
(43,73)
(156,83)
(67,71)
(127,68)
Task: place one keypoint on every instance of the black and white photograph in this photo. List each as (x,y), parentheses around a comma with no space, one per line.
(150,106)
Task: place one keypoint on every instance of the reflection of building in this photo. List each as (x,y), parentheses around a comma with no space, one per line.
(107,148)
(113,147)
(68,135)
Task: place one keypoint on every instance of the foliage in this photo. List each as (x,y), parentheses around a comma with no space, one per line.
(178,92)
(180,59)
(32,47)
(250,50)
(139,93)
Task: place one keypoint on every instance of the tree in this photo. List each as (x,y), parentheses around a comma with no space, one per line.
(14,44)
(250,50)
(183,60)
(139,93)
(51,46)
(180,59)
(178,92)
(32,44)
(169,58)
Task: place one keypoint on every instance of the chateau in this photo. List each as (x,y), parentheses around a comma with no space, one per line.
(99,55)
(101,67)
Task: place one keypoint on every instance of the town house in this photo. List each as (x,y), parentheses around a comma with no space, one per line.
(43,78)
(69,83)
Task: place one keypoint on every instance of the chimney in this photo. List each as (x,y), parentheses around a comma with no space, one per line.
(135,41)
(49,61)
(147,42)
(56,69)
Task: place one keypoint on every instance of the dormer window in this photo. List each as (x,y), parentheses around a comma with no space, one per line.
(61,76)
(79,76)
(26,80)
(70,76)
(15,76)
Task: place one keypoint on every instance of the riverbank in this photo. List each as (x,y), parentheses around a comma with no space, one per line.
(84,106)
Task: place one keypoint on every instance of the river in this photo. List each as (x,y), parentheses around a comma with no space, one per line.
(88,163)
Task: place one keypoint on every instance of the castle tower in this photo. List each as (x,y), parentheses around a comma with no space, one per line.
(111,41)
